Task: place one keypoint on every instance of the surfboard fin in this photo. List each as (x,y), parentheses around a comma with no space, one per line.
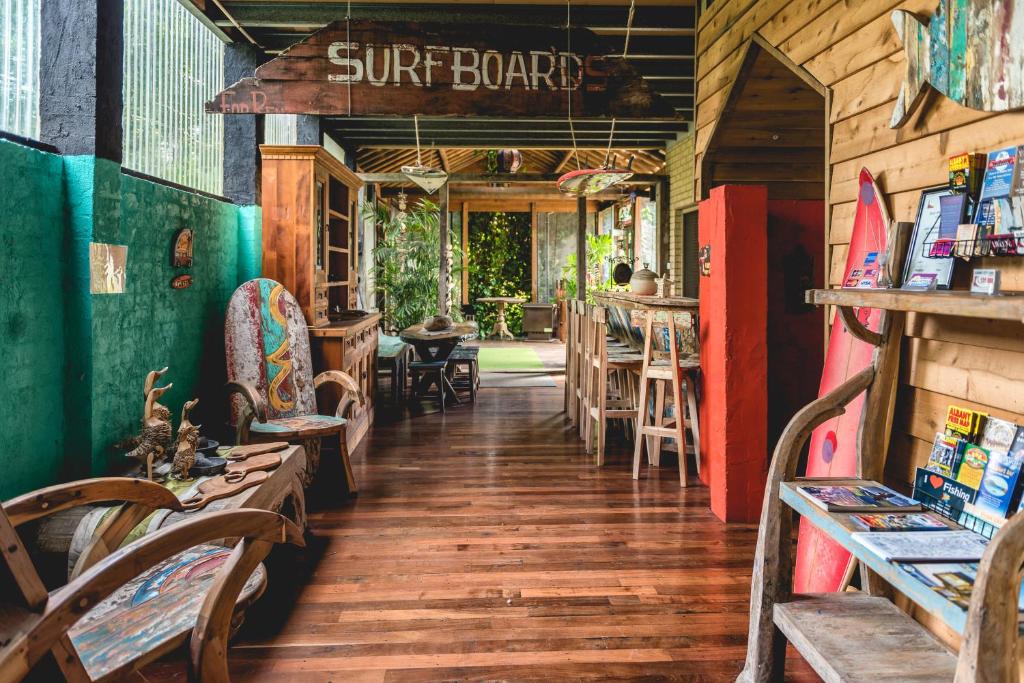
(915,38)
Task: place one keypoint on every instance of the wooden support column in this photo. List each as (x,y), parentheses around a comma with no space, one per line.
(534,284)
(444,302)
(81,77)
(465,252)
(581,249)
(242,133)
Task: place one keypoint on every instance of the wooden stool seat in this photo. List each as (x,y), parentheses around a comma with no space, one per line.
(155,611)
(393,358)
(663,369)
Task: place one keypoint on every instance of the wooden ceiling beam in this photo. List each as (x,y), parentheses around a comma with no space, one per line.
(517,179)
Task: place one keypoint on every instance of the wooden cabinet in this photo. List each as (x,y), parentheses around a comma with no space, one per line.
(311,246)
(310,240)
(349,346)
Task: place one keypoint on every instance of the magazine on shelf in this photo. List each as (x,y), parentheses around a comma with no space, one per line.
(934,546)
(999,483)
(945,456)
(952,580)
(859,498)
(900,521)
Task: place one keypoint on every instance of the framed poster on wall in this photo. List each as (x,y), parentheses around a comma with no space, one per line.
(920,270)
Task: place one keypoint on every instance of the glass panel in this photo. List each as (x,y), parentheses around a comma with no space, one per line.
(172,66)
(280,129)
(556,240)
(648,232)
(320,201)
(19,67)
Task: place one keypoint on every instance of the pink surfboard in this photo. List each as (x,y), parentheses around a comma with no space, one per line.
(820,562)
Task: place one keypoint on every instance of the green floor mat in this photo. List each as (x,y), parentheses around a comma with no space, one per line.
(509,359)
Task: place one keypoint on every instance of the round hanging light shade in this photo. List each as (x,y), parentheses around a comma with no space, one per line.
(429,179)
(589,181)
(509,160)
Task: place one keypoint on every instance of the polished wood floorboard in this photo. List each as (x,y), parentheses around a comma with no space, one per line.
(485,546)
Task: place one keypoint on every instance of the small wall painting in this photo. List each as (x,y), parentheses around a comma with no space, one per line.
(107,267)
(704,260)
(181,282)
(181,253)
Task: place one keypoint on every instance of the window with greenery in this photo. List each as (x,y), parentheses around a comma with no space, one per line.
(172,66)
(499,264)
(19,67)
(407,262)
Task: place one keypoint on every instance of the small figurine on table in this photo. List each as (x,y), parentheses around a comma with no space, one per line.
(155,438)
(185,446)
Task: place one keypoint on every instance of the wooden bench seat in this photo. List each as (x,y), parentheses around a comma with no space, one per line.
(858,638)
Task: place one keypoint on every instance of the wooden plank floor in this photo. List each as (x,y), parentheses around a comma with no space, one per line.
(485,546)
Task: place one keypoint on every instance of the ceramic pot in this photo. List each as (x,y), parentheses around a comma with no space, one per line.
(643,282)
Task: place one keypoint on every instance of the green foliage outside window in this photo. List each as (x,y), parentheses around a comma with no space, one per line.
(499,265)
(599,254)
(406,260)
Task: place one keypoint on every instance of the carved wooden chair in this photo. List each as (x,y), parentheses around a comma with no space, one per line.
(270,375)
(124,608)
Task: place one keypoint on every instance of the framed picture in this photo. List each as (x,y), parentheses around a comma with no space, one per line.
(181,251)
(919,268)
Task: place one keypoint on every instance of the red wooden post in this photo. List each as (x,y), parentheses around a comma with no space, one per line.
(734,355)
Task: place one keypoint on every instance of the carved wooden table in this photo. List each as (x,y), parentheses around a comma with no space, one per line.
(436,346)
(71,531)
(500,327)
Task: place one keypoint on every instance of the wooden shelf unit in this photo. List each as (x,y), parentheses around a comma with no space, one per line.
(941,302)
(311,246)
(310,243)
(861,635)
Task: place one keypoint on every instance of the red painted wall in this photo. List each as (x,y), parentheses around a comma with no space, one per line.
(796,332)
(734,358)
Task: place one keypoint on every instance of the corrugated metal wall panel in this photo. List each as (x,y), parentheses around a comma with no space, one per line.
(172,65)
(19,67)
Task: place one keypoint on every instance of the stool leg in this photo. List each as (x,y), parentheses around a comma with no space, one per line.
(680,425)
(472,380)
(691,401)
(654,442)
(641,422)
(440,390)
(601,424)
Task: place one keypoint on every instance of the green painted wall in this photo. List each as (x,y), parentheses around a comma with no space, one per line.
(80,358)
(31,318)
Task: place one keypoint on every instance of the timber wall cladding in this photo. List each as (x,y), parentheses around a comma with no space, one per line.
(851,47)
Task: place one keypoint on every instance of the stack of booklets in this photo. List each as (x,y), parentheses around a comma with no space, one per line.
(912,546)
(983,453)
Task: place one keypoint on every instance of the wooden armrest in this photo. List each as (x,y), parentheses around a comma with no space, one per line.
(255,407)
(799,429)
(352,393)
(51,499)
(67,605)
(988,653)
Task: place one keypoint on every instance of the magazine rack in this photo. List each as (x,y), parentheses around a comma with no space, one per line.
(863,636)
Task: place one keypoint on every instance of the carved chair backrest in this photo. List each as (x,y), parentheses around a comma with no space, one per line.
(267,345)
(20,583)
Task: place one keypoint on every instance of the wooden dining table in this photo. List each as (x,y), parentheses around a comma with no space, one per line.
(437,345)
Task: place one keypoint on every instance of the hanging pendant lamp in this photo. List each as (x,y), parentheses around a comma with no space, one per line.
(588,181)
(429,179)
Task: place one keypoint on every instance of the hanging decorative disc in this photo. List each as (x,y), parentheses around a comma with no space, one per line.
(509,160)
(589,181)
(429,179)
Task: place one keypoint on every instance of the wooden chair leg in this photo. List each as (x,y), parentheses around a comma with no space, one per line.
(209,645)
(601,424)
(346,463)
(680,427)
(691,402)
(654,442)
(641,416)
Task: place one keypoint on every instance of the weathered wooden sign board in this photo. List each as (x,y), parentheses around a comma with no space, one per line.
(374,68)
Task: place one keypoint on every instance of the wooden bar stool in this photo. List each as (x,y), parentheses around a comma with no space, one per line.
(464,369)
(610,379)
(670,369)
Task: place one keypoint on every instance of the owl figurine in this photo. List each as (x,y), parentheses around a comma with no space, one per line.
(186,444)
